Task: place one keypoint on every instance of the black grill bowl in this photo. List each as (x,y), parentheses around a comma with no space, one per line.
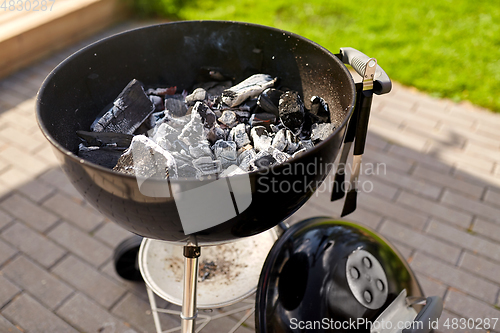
(172,54)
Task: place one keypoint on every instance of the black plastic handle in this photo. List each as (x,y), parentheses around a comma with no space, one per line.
(430,313)
(358,60)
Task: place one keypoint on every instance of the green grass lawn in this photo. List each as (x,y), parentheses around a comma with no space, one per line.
(447,48)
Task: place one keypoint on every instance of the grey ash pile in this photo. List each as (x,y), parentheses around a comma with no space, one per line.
(161,133)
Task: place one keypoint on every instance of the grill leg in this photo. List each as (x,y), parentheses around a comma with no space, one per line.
(189,311)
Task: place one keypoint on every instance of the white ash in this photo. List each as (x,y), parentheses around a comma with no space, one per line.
(320,132)
(239,135)
(250,87)
(260,138)
(228,118)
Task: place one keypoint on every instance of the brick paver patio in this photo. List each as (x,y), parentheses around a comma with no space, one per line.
(437,200)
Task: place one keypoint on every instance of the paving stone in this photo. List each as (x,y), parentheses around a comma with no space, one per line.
(492,197)
(431,287)
(449,181)
(88,280)
(487,153)
(88,316)
(420,241)
(34,317)
(73,212)
(15,178)
(387,160)
(6,252)
(7,291)
(452,155)
(138,289)
(36,190)
(5,219)
(430,207)
(138,312)
(412,184)
(468,307)
(465,240)
(33,244)
(481,266)
(23,161)
(112,234)
(487,229)
(56,177)
(445,322)
(394,136)
(455,277)
(411,119)
(47,155)
(37,281)
(25,210)
(20,139)
(377,186)
(7,327)
(81,244)
(375,141)
(403,248)
(473,206)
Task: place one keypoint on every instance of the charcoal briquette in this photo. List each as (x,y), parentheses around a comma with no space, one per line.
(239,135)
(225,151)
(260,138)
(291,111)
(251,87)
(199,94)
(320,132)
(176,107)
(206,166)
(228,118)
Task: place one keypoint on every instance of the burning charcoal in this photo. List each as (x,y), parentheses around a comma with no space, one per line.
(245,158)
(306,144)
(176,107)
(279,140)
(147,160)
(320,108)
(104,139)
(99,155)
(130,109)
(228,118)
(157,102)
(199,94)
(243,149)
(239,135)
(225,151)
(250,87)
(165,135)
(279,156)
(291,110)
(206,166)
(263,160)
(162,91)
(292,142)
(217,89)
(249,105)
(215,134)
(232,170)
(260,138)
(269,100)
(201,149)
(276,128)
(262,119)
(320,132)
(193,132)
(243,116)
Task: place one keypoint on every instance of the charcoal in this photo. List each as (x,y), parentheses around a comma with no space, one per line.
(279,140)
(215,134)
(292,142)
(225,151)
(176,107)
(175,122)
(263,160)
(157,116)
(170,91)
(260,138)
(239,135)
(180,146)
(157,102)
(291,111)
(275,128)
(228,118)
(262,119)
(217,89)
(199,94)
(279,156)
(319,108)
(306,144)
(117,141)
(243,116)
(269,101)
(193,132)
(205,112)
(187,171)
(299,152)
(320,132)
(182,158)
(165,135)
(147,160)
(99,155)
(130,109)
(206,166)
(201,149)
(250,87)
(245,158)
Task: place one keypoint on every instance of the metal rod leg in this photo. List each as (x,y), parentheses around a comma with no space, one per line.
(189,311)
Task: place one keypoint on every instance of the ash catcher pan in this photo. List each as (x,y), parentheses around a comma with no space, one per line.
(182,54)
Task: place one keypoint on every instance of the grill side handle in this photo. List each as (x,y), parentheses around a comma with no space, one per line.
(358,60)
